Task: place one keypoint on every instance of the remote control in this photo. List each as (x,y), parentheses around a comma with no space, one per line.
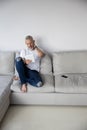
(64,76)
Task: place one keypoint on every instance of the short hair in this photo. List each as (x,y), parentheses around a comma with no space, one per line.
(29,37)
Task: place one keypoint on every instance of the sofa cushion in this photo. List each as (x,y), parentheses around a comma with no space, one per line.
(5,82)
(17,54)
(6,62)
(74,83)
(47,87)
(70,62)
(45,64)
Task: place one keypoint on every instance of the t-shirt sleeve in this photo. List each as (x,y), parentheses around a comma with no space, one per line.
(22,53)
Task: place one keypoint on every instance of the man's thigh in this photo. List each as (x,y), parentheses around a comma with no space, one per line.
(32,73)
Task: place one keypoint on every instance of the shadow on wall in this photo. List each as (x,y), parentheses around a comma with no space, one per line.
(42,44)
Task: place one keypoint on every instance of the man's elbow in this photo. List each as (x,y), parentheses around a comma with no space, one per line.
(42,54)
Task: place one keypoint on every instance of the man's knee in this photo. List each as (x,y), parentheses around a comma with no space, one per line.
(18,59)
(39,84)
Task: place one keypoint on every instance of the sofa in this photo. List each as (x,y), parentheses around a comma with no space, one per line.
(6,76)
(64,75)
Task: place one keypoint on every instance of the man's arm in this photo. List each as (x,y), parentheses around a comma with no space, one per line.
(26,61)
(22,55)
(39,51)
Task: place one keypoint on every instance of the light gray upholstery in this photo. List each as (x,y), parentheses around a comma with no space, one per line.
(47,87)
(49,99)
(74,83)
(5,82)
(17,54)
(70,62)
(6,62)
(46,65)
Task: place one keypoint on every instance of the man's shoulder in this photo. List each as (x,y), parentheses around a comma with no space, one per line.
(23,50)
(22,53)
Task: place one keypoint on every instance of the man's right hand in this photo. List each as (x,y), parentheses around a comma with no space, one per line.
(28,61)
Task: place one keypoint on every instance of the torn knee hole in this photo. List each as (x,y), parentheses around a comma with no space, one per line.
(18,59)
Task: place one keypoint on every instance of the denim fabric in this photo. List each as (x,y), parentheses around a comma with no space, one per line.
(27,75)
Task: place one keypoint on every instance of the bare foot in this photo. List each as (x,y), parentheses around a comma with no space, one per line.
(24,88)
(15,78)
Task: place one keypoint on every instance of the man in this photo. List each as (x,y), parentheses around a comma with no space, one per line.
(28,68)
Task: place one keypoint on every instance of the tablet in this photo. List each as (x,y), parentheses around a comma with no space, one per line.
(30,57)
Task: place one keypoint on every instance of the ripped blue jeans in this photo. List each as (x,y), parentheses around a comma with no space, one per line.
(26,74)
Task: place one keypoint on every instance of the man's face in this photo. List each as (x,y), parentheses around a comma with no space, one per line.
(29,43)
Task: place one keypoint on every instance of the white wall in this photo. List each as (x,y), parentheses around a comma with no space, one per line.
(55,25)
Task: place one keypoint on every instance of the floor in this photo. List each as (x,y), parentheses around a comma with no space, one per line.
(45,118)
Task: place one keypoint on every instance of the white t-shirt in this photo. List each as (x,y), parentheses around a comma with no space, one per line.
(32,55)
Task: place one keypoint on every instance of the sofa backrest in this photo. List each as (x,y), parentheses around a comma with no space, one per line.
(45,64)
(7,62)
(70,62)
